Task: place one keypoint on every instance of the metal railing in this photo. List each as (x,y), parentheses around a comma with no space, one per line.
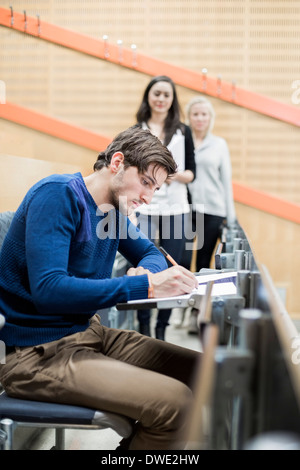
(250,376)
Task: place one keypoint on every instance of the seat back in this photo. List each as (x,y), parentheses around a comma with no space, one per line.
(5,221)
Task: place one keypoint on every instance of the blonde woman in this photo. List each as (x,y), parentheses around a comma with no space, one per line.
(211,190)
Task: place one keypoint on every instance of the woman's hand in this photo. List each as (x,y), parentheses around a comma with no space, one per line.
(184,177)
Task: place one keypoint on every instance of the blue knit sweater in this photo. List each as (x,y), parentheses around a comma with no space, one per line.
(57,259)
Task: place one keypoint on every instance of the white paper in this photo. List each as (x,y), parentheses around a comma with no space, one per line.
(223,285)
(216,277)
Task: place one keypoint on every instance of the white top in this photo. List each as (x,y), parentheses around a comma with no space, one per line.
(211,190)
(170,199)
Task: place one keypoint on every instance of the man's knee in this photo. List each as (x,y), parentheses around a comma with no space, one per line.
(177,406)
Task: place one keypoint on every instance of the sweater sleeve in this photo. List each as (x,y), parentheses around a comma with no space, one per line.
(53,217)
(140,251)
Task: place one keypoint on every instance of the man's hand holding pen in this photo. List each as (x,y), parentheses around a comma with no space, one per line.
(176,280)
(173,281)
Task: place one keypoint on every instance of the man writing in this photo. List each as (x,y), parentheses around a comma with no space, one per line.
(55,273)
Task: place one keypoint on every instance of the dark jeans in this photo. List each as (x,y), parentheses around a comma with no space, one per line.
(169,233)
(210,233)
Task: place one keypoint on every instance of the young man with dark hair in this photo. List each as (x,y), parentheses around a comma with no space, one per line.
(55,274)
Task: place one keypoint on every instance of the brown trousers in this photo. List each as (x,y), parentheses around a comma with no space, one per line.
(114,370)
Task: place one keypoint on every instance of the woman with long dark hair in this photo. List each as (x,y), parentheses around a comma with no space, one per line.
(165,219)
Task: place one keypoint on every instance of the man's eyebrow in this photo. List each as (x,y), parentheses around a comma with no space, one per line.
(151,178)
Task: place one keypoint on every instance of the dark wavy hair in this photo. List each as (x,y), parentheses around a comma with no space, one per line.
(172,122)
(140,149)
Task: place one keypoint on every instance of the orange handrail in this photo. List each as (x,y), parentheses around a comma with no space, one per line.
(266,202)
(129,58)
(54,127)
(80,136)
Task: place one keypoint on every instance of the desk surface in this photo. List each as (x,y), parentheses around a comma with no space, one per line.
(224,284)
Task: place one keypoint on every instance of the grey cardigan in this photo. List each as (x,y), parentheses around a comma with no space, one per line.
(211,190)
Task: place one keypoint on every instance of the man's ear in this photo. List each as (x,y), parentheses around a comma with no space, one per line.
(117,161)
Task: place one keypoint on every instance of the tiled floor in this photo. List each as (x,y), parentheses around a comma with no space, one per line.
(108,439)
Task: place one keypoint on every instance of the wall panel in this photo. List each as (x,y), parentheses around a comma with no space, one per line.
(276,244)
(20,173)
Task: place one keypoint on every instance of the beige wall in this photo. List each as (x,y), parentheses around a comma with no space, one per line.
(18,174)
(255,43)
(276,244)
(24,142)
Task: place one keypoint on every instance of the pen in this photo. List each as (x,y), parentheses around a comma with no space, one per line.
(169,257)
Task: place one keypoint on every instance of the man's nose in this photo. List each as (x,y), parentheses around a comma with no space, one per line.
(147,197)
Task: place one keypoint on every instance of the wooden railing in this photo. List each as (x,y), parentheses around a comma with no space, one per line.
(54,127)
(131,58)
(80,136)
